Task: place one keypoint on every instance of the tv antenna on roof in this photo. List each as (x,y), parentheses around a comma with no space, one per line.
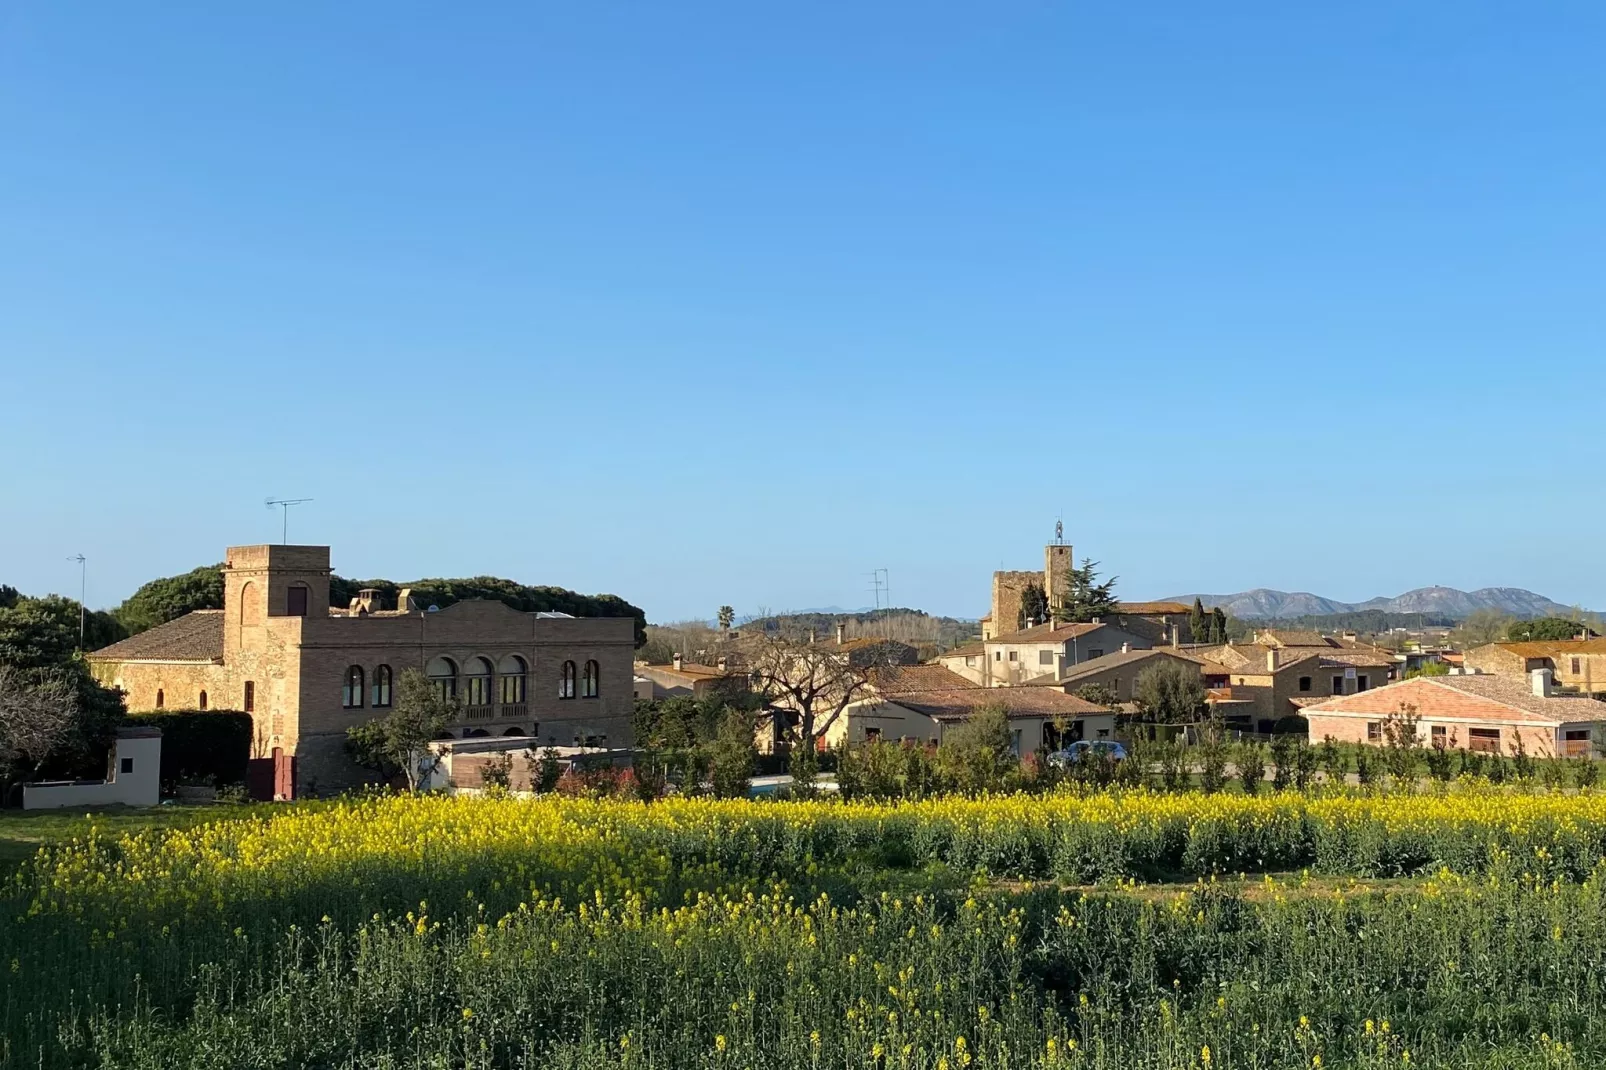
(285,504)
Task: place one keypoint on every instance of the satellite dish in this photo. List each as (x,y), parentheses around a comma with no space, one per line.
(433,609)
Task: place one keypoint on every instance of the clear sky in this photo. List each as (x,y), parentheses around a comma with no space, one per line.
(705,303)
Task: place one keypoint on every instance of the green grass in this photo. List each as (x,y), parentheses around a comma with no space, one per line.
(23,832)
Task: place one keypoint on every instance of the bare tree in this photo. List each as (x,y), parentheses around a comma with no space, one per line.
(37,717)
(815,681)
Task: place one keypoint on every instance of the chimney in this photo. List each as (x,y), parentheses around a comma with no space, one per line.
(1540,678)
(368,598)
(723,662)
(1271,660)
(841,634)
(1176,635)
(1059,664)
(1098,620)
(1126,648)
(677,662)
(404,600)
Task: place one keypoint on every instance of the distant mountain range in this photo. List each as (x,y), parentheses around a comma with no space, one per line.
(1265,604)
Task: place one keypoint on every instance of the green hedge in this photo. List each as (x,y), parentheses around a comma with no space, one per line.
(201,745)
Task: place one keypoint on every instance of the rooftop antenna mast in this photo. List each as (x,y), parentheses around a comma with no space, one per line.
(285,504)
(83,590)
(881,584)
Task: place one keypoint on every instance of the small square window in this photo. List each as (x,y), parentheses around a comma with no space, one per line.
(1045,657)
(1374,731)
(125,765)
(1012,655)
(1304,683)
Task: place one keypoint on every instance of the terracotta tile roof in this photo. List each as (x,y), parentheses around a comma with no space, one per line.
(1094,666)
(1281,639)
(1543,648)
(1470,698)
(967,650)
(1155,609)
(196,636)
(866,643)
(1047,633)
(960,703)
(688,670)
(901,679)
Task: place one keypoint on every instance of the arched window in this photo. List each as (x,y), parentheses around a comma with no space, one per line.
(160,698)
(249,609)
(351,694)
(566,681)
(590,683)
(442,672)
(514,731)
(478,681)
(200,703)
(381,687)
(513,672)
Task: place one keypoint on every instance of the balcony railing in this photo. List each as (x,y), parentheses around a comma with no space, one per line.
(514,711)
(478,713)
(1576,748)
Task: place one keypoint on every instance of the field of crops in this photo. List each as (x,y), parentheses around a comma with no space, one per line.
(1462,928)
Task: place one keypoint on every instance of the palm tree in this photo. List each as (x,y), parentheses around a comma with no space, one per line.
(727,616)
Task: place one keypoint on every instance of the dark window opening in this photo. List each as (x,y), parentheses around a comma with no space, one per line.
(1338,685)
(296,602)
(566,681)
(250,696)
(1374,731)
(591,682)
(1304,683)
(125,765)
(1362,682)
(351,693)
(161,699)
(382,687)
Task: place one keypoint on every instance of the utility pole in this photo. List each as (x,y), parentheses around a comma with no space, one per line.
(83,589)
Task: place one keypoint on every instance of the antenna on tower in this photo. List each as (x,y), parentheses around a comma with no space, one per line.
(285,504)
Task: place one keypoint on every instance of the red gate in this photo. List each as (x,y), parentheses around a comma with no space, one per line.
(271,779)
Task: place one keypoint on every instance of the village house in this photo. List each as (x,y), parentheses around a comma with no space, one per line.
(1575,664)
(682,678)
(1117,672)
(1275,677)
(1475,711)
(306,672)
(918,703)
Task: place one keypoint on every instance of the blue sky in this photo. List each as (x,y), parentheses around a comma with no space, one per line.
(706,303)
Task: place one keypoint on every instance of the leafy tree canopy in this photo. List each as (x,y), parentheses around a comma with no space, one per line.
(1544,628)
(169,598)
(1171,693)
(42,633)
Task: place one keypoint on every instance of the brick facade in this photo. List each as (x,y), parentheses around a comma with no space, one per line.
(296,666)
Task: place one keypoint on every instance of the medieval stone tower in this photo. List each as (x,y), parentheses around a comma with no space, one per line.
(1009,587)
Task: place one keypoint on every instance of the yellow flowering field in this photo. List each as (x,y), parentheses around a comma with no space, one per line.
(1000,932)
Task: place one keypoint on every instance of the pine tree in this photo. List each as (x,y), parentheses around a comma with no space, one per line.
(1198,624)
(1085,597)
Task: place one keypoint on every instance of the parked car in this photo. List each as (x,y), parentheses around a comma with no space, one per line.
(1106,749)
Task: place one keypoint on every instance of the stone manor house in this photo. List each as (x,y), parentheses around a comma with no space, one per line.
(306,672)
